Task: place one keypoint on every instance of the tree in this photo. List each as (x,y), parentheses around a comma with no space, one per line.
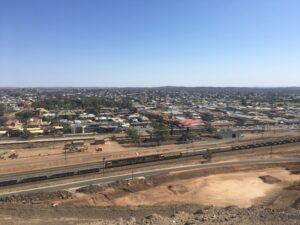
(2,109)
(160,132)
(209,128)
(133,134)
(24,115)
(3,120)
(244,102)
(188,136)
(113,138)
(207,117)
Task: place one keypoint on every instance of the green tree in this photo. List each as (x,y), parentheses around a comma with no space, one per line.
(188,136)
(2,109)
(160,132)
(133,134)
(113,138)
(209,128)
(3,120)
(207,117)
(244,102)
(24,115)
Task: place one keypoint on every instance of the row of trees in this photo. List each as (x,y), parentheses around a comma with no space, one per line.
(89,103)
(2,109)
(160,133)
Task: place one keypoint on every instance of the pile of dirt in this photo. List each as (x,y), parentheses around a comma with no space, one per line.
(37,197)
(178,189)
(91,189)
(118,184)
(296,204)
(269,179)
(295,186)
(131,186)
(294,169)
(134,185)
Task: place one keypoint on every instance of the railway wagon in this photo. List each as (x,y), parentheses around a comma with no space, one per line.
(250,146)
(133,160)
(8,182)
(193,152)
(33,179)
(236,147)
(225,149)
(295,139)
(62,174)
(171,155)
(220,149)
(89,170)
(268,143)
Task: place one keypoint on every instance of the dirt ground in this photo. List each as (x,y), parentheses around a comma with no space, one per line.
(243,189)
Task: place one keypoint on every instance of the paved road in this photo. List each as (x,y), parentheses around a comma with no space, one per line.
(46,139)
(146,173)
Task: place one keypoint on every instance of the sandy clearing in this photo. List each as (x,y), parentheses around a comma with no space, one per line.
(242,189)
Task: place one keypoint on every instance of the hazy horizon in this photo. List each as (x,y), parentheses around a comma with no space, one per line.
(169,86)
(75,43)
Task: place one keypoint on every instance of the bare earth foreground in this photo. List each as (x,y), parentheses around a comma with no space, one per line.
(177,198)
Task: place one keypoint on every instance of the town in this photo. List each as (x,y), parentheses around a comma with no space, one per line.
(111,147)
(216,112)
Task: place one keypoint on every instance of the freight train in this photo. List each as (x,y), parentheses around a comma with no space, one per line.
(39,176)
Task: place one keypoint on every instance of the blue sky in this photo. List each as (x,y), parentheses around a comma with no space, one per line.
(149,43)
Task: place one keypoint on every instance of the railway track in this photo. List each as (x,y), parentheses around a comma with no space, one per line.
(127,175)
(89,168)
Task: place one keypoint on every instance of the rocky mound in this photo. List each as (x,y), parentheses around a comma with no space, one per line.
(214,216)
(91,189)
(294,186)
(296,204)
(37,197)
(269,179)
(146,215)
(178,189)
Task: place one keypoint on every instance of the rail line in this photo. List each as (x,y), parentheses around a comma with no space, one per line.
(96,167)
(145,173)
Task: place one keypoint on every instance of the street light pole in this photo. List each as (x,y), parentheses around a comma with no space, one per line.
(103,164)
(271,151)
(132,174)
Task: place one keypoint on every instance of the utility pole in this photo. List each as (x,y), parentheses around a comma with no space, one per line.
(271,151)
(132,174)
(103,164)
